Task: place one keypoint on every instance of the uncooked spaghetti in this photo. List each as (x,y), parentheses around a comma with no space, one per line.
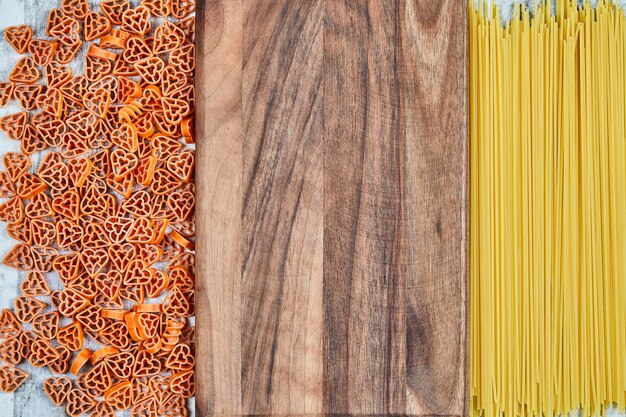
(548,210)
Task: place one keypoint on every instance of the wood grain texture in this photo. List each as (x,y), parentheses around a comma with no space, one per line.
(331,210)
(282,207)
(218,207)
(395,199)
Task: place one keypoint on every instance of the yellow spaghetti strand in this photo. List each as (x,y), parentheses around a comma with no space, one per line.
(547,209)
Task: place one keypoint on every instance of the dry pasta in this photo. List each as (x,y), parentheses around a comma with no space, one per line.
(548,210)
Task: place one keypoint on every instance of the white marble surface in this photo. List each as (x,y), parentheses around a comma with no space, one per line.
(506,6)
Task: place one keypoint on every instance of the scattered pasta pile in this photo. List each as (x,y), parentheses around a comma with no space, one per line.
(109,210)
(548,210)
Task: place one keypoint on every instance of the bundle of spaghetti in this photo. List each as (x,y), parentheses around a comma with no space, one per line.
(547,209)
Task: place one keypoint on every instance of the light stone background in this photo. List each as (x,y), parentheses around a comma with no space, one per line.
(30,400)
(506,6)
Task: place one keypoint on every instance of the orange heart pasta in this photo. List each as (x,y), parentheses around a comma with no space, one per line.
(101,201)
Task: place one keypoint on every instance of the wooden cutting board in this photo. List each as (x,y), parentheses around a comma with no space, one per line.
(331,207)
